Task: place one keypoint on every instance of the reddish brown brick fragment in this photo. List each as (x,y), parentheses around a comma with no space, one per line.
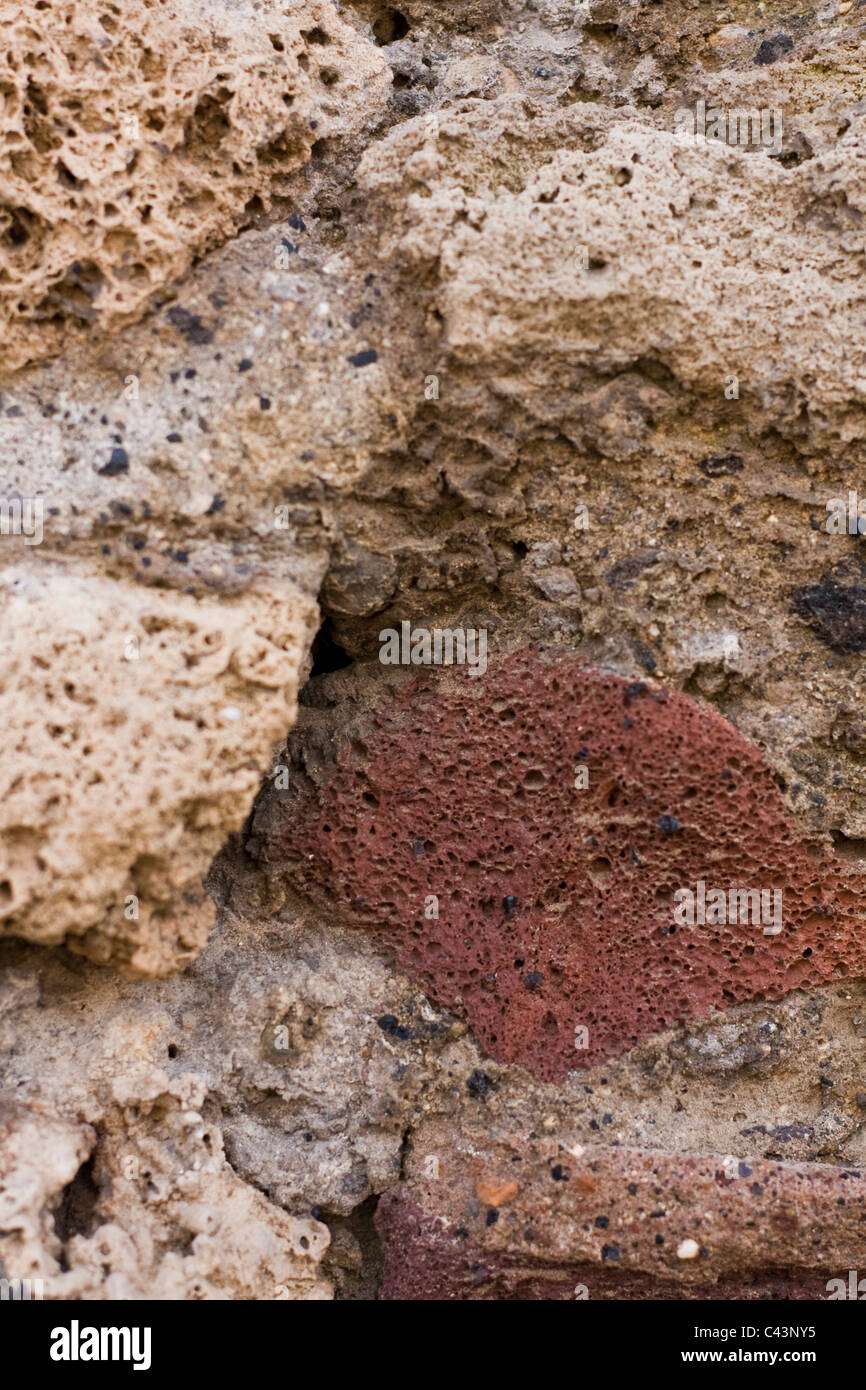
(772,1231)
(421,1264)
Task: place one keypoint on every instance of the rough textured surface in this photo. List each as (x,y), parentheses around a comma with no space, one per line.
(531,1217)
(123,1221)
(112,858)
(180,1160)
(290,1075)
(439,320)
(554,908)
(646,205)
(137,137)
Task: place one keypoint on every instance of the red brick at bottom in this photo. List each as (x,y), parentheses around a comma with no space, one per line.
(615,1223)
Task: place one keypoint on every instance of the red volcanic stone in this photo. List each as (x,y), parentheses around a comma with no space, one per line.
(555,901)
(615,1223)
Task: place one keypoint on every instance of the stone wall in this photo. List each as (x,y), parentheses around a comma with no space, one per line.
(331,966)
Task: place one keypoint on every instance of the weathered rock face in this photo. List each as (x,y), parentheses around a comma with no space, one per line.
(136,138)
(601,208)
(195,1137)
(543,319)
(113,1220)
(111,857)
(161,1151)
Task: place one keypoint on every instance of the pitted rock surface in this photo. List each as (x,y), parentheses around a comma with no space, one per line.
(88,670)
(453,829)
(318,318)
(137,137)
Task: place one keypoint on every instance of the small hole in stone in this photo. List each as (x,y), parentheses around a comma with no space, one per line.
(600,870)
(390,26)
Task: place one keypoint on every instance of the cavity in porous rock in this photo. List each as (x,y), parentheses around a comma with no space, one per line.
(526,843)
(153,1215)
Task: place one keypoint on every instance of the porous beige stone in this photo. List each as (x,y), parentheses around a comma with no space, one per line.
(136,723)
(136,137)
(567,242)
(62,1240)
(39,1156)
